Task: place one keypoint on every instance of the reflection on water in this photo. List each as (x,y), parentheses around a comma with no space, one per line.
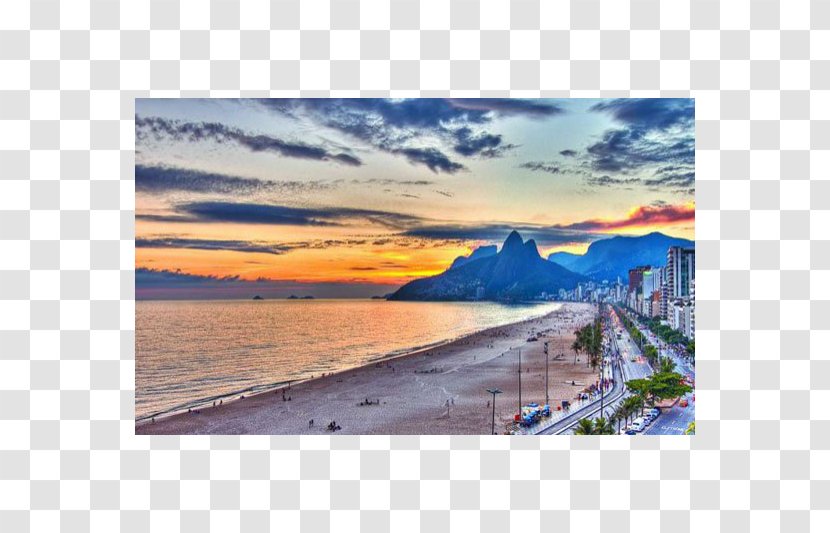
(192,350)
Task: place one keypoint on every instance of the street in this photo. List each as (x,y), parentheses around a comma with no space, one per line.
(675,420)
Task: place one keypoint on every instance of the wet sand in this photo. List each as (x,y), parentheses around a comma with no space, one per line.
(410,394)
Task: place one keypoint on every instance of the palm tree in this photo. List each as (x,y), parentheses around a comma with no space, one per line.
(667,364)
(632,405)
(603,427)
(576,346)
(621,413)
(600,426)
(585,426)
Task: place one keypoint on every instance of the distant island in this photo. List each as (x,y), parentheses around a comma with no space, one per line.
(295,297)
(258,297)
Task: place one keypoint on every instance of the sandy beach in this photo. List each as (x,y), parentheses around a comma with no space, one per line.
(437,391)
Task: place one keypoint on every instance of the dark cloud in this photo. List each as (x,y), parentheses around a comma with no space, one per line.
(568,153)
(673,176)
(496,233)
(255,214)
(149,277)
(445,193)
(153,284)
(627,149)
(161,179)
(607,181)
(213,245)
(249,213)
(647,114)
(415,112)
(150,217)
(162,129)
(541,166)
(510,106)
(657,134)
(394,125)
(389,181)
(481,144)
(432,158)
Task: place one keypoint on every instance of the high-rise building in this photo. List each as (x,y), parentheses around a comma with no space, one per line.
(635,277)
(692,311)
(652,279)
(680,271)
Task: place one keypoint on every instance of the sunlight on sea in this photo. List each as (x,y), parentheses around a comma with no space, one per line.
(193,350)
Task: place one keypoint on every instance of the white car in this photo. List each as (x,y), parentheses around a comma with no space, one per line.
(638,425)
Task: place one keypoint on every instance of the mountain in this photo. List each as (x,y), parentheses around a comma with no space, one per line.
(566,259)
(478,253)
(516,272)
(609,258)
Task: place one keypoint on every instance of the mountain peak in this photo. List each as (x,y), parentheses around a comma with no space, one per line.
(513,240)
(531,247)
(478,253)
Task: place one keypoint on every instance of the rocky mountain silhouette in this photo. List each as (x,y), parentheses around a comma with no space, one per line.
(516,272)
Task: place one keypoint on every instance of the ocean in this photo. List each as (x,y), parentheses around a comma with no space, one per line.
(189,352)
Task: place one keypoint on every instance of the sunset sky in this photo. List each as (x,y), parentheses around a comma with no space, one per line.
(353,198)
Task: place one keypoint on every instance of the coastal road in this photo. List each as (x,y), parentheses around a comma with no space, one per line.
(673,421)
(676,419)
(592,410)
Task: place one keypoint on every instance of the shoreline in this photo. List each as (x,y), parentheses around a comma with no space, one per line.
(265,388)
(405,391)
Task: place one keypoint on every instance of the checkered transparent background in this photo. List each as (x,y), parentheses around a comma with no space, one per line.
(69,73)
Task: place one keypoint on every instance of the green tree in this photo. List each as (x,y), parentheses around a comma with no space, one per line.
(600,426)
(658,387)
(621,414)
(650,353)
(576,346)
(585,426)
(667,386)
(691,429)
(641,389)
(667,364)
(632,405)
(603,427)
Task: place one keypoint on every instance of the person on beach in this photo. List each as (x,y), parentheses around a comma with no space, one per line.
(311,423)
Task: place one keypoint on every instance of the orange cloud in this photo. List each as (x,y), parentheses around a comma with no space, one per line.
(641,216)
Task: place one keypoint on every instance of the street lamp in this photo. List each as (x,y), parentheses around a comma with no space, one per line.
(547,396)
(493,422)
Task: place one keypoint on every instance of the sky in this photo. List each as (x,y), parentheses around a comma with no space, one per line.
(355,197)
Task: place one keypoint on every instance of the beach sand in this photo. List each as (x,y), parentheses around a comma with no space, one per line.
(412,391)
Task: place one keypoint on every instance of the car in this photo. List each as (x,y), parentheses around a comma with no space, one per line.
(654,411)
(638,425)
(630,432)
